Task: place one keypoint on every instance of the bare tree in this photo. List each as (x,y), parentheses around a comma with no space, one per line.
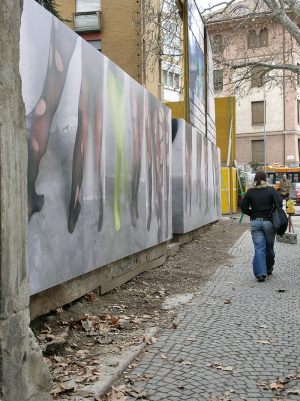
(161,28)
(244,59)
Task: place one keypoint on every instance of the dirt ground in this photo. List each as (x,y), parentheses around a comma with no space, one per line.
(84,341)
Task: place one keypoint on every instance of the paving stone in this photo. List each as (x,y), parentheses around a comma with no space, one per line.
(233,334)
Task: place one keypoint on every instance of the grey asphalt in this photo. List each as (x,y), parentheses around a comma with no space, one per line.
(234,340)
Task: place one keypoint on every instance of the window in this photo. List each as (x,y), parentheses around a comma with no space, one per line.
(257,77)
(171,80)
(87,16)
(217,44)
(96,44)
(83,6)
(165,78)
(176,81)
(263,38)
(218,80)
(252,40)
(258,151)
(257,112)
(298,111)
(298,75)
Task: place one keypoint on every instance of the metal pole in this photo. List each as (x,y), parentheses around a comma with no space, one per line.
(265,135)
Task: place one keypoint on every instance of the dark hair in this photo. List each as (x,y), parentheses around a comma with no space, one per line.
(259,177)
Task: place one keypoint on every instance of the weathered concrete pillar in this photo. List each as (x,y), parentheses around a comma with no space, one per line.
(23,374)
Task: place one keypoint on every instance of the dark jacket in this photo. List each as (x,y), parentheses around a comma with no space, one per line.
(259,201)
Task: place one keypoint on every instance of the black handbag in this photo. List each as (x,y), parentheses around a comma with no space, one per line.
(279,218)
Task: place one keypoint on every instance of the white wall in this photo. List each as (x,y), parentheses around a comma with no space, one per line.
(274,111)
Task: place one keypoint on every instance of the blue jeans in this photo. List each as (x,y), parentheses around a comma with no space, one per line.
(263,237)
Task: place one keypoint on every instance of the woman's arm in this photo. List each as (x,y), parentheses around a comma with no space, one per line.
(246,205)
(277,198)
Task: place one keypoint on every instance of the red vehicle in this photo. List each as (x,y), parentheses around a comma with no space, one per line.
(295,192)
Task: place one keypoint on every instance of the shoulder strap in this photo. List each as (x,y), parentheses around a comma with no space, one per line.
(273,196)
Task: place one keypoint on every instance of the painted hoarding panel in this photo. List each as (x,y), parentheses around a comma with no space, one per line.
(99,155)
(196,179)
(211,128)
(197,96)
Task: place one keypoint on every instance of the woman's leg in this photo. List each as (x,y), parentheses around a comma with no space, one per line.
(270,239)
(259,242)
(39,121)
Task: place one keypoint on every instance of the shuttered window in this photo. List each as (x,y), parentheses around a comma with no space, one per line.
(83,6)
(258,153)
(217,44)
(263,38)
(257,112)
(218,80)
(252,40)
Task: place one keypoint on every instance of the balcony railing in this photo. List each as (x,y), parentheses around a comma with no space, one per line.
(87,21)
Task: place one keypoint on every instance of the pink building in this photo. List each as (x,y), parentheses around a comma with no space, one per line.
(268,101)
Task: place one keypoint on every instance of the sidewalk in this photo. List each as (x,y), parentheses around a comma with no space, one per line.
(234,340)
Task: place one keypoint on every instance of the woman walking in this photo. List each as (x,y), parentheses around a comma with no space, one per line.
(258,204)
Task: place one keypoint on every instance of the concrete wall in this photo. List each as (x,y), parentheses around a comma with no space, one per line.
(22,373)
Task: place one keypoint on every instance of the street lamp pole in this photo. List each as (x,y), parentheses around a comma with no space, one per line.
(265,134)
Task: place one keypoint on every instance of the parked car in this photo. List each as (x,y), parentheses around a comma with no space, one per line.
(295,192)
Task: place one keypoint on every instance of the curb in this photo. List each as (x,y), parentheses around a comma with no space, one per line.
(103,386)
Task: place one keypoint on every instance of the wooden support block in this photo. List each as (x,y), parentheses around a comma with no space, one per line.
(111,284)
(172,248)
(102,280)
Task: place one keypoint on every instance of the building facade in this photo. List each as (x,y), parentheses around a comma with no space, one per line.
(117,29)
(267,108)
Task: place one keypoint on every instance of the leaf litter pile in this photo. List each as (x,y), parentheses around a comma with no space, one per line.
(283,386)
(84,341)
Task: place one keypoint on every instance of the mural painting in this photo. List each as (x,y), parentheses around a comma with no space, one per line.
(210,109)
(197,84)
(195,178)
(99,155)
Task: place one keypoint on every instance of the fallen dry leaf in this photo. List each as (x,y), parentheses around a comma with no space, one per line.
(188,363)
(163,356)
(227,301)
(90,296)
(276,386)
(263,342)
(149,340)
(263,385)
(191,339)
(295,391)
(220,367)
(137,393)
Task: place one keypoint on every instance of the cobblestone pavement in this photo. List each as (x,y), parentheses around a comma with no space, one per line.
(236,333)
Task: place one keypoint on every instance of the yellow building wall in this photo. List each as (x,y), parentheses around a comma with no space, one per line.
(177,109)
(234,190)
(120,41)
(229,190)
(225,110)
(66,8)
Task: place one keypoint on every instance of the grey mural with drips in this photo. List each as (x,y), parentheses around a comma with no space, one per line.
(100,163)
(195,177)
